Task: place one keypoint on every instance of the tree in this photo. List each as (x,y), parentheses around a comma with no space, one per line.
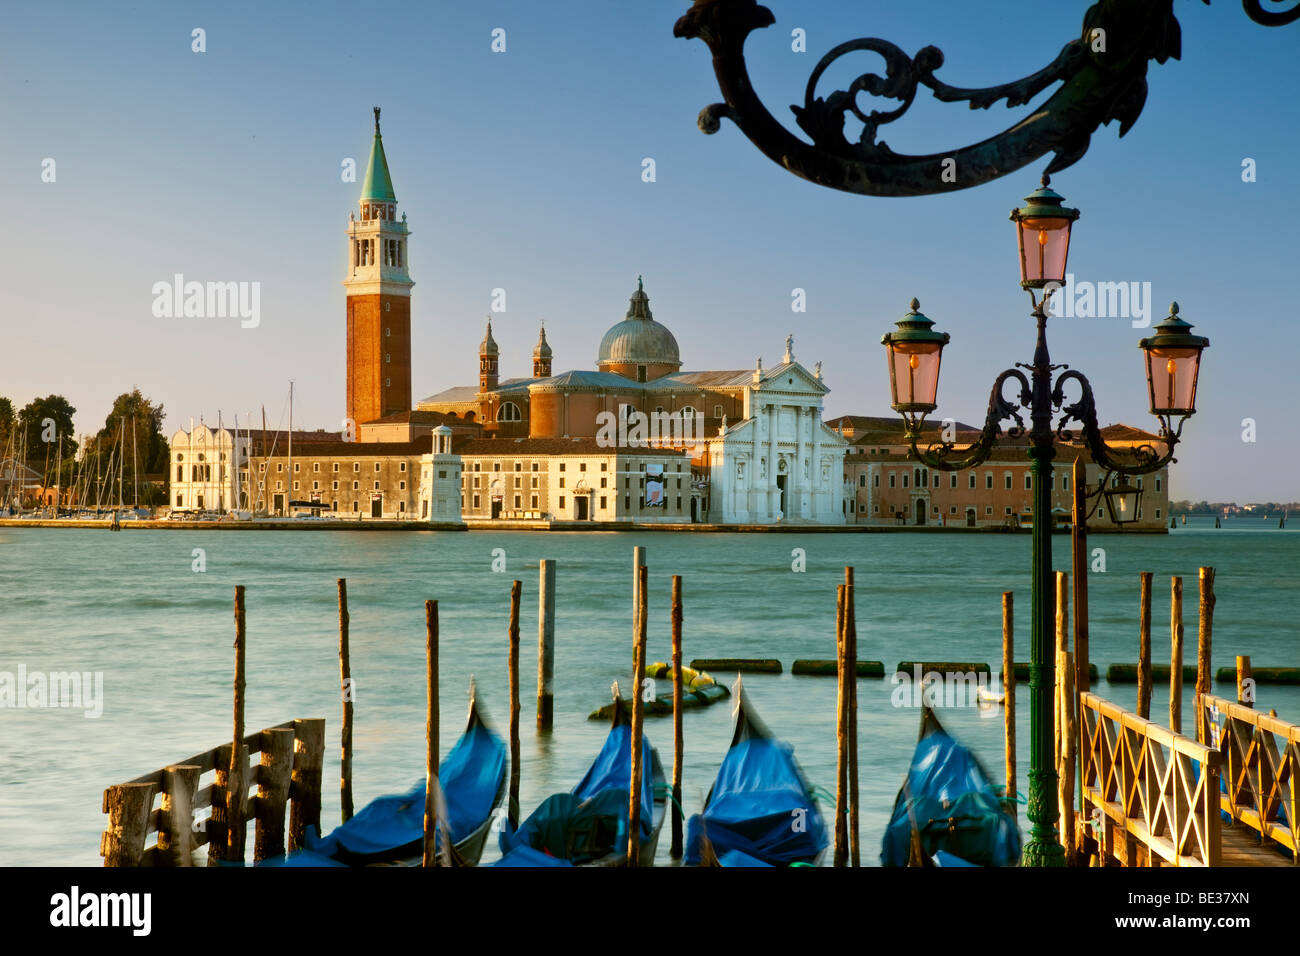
(6,423)
(133,429)
(47,424)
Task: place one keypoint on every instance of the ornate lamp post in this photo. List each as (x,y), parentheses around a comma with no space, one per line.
(1173,357)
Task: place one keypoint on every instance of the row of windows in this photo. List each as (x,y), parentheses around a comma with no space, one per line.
(519,466)
(919,475)
(334,485)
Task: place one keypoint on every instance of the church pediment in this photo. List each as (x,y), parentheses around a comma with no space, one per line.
(791,378)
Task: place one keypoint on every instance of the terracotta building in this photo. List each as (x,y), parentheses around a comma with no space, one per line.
(885,486)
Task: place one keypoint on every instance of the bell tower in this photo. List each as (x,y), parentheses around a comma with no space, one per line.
(542,356)
(488,357)
(379,298)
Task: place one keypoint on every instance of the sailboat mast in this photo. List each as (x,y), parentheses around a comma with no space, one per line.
(289,499)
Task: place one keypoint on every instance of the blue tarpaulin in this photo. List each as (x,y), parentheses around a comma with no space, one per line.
(760,811)
(948,798)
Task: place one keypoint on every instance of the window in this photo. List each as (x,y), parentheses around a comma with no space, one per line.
(334,487)
(1157,515)
(475,505)
(496,466)
(988,486)
(335,469)
(602,484)
(892,476)
(1007,511)
(561,469)
(988,510)
(604,466)
(476,479)
(533,505)
(355,486)
(376,472)
(356,466)
(376,488)
(315,466)
(862,483)
(401,486)
(534,466)
(1157,489)
(517,481)
(401,466)
(951,484)
(581,467)
(972,486)
(602,508)
(904,485)
(561,485)
(936,481)
(951,510)
(1006,480)
(279,466)
(509,412)
(1029,483)
(315,486)
(717,413)
(532,483)
(295,486)
(517,505)
(561,507)
(519,466)
(388,360)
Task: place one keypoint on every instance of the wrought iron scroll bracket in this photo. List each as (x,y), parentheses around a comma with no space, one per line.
(945,456)
(1146,457)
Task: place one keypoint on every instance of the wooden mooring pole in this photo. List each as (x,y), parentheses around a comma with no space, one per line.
(430,857)
(1144,647)
(1009,698)
(1079,569)
(851,689)
(1245,683)
(546,645)
(678,751)
(1176,655)
(1065,709)
(305,785)
(512,802)
(345,682)
(237,792)
(638,720)
(274,779)
(841,733)
(1204,636)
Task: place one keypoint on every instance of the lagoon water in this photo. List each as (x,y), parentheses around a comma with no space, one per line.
(131,605)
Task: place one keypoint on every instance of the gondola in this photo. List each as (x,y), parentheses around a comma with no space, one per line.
(760,810)
(589,825)
(390,829)
(950,805)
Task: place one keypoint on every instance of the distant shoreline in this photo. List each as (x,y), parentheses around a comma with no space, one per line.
(383,524)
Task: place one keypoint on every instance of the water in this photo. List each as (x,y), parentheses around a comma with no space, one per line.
(130,605)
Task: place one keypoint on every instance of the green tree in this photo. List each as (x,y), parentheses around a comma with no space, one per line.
(6,423)
(133,429)
(47,424)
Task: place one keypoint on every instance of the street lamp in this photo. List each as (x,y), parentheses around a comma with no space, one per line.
(1123,499)
(1043,228)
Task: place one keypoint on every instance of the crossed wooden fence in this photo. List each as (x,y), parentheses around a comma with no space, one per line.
(1261,760)
(287,778)
(1153,794)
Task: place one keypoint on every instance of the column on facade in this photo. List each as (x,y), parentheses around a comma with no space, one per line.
(773,493)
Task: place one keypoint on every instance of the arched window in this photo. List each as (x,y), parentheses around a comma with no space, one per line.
(686,411)
(509,412)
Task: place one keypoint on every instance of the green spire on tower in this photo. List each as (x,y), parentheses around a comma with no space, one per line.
(378,184)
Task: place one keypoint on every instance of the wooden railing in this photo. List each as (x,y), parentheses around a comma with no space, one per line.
(1152,794)
(287,777)
(1261,765)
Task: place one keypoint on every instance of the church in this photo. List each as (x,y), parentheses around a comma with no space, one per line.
(749,444)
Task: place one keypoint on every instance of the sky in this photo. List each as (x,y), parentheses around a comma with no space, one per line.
(522,170)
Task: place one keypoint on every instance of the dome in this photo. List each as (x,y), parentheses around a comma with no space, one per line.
(639,339)
(543,348)
(489,345)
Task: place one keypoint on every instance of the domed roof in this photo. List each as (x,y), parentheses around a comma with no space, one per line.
(489,345)
(543,348)
(639,339)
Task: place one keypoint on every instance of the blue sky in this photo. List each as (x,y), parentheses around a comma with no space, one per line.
(522,170)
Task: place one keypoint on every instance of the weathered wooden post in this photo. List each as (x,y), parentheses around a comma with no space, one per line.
(1079,569)
(1245,688)
(128,806)
(1176,655)
(1204,636)
(638,730)
(430,857)
(841,734)
(638,562)
(274,776)
(512,802)
(237,792)
(218,831)
(1061,597)
(678,751)
(1009,698)
(1065,706)
(851,685)
(305,784)
(176,822)
(1144,647)
(546,646)
(345,683)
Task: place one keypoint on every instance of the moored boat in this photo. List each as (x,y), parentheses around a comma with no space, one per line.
(948,805)
(589,825)
(760,811)
(390,829)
